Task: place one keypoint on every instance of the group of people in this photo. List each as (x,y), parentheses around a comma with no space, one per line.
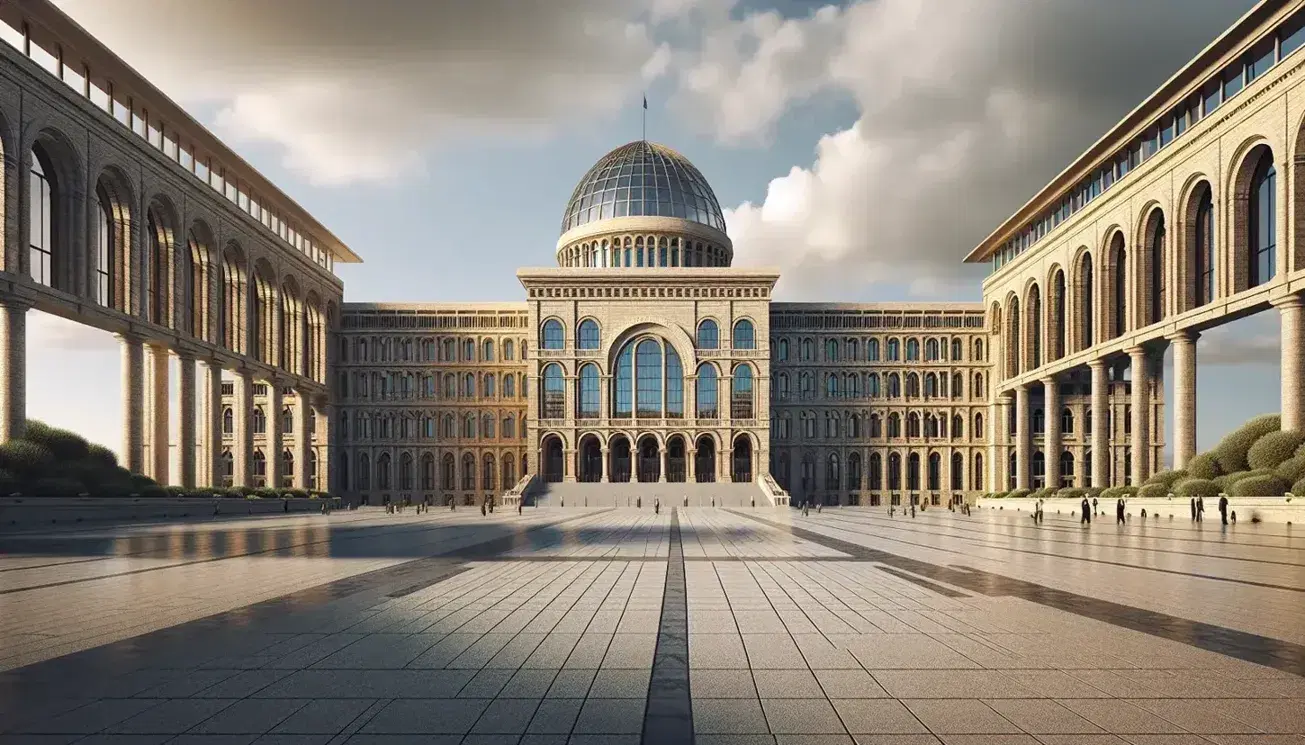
(1198,510)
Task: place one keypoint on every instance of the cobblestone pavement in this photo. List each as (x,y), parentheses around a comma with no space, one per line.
(625,626)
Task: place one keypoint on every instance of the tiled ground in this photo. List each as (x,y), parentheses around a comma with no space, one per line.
(841,627)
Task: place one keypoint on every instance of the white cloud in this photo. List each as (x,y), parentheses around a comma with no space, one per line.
(361,91)
(966,108)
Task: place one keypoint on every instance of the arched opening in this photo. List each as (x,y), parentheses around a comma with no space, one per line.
(587,400)
(1013,357)
(1254,247)
(552,462)
(648,380)
(552,336)
(590,457)
(1197,257)
(587,336)
(650,460)
(741,398)
(1056,319)
(1153,300)
(894,472)
(704,460)
(744,336)
(1033,321)
(552,393)
(854,472)
(676,463)
(1117,288)
(708,387)
(742,457)
(620,467)
(1084,319)
(913,472)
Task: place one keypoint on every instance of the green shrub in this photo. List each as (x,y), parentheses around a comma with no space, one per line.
(1273,448)
(1292,469)
(1203,466)
(1070,492)
(247,491)
(1043,493)
(176,491)
(996,495)
(141,481)
(1233,451)
(64,445)
(54,487)
(1167,478)
(1093,492)
(1115,492)
(1188,488)
(103,456)
(1298,488)
(26,460)
(1153,491)
(1233,478)
(1260,486)
(1018,493)
(266,492)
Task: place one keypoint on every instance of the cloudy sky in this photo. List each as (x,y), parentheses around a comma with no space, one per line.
(861,147)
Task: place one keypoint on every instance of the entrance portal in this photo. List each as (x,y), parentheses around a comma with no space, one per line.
(704,464)
(591,460)
(675,461)
(650,466)
(552,465)
(619,471)
(742,470)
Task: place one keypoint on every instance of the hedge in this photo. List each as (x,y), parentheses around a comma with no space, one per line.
(1019,493)
(1071,493)
(1292,469)
(1272,449)
(1204,466)
(1232,452)
(1298,488)
(1115,492)
(1043,493)
(1167,479)
(1260,486)
(1153,491)
(1188,488)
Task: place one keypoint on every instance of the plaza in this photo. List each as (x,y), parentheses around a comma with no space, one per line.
(613,625)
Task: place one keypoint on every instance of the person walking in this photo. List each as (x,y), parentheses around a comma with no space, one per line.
(1087,516)
(1223,508)
(1200,509)
(912,508)
(1193,509)
(1119,512)
(1095,511)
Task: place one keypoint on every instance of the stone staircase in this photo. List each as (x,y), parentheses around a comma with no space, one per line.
(577,494)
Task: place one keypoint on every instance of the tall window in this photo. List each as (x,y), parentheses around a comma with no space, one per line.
(104,248)
(1085,317)
(1263,230)
(42,224)
(674,385)
(648,363)
(623,401)
(708,335)
(587,393)
(1203,269)
(509,351)
(741,398)
(707,392)
(1157,310)
(156,288)
(553,401)
(1119,272)
(744,337)
(587,335)
(554,337)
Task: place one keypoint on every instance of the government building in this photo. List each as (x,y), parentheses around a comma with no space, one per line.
(642,363)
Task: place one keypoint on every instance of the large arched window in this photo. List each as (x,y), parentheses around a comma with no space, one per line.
(587,392)
(552,401)
(623,382)
(894,351)
(831,472)
(934,481)
(405,471)
(912,350)
(708,335)
(106,240)
(1119,282)
(894,472)
(872,350)
(44,202)
(648,378)
(648,381)
(707,392)
(674,384)
(1203,250)
(958,472)
(741,398)
(553,337)
(587,336)
(1035,327)
(1085,319)
(1156,311)
(1263,232)
(744,336)
(427,472)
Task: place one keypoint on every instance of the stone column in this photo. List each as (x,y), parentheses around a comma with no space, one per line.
(1001,435)
(1100,433)
(1141,403)
(1293,363)
(1023,437)
(304,441)
(691,465)
(1184,345)
(211,440)
(133,403)
(664,455)
(13,386)
(274,437)
(328,475)
(243,439)
(606,454)
(159,409)
(1051,445)
(186,421)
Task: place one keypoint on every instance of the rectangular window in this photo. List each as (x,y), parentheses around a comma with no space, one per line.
(1262,58)
(1233,80)
(1212,96)
(1292,35)
(1180,122)
(1166,132)
(1150,144)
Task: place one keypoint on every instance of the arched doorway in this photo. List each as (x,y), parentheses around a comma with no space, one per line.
(552,460)
(619,452)
(675,460)
(704,463)
(742,466)
(650,460)
(590,459)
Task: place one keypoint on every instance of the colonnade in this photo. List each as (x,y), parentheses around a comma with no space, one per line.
(146,416)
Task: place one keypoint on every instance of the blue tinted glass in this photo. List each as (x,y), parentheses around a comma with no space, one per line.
(1212,99)
(708,335)
(674,385)
(1232,81)
(664,182)
(588,393)
(648,363)
(743,335)
(706,392)
(1293,35)
(624,382)
(1261,60)
(588,336)
(553,336)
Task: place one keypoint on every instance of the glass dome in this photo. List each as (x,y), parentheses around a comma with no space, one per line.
(643,179)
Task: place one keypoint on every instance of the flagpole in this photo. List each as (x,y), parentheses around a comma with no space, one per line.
(645,118)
